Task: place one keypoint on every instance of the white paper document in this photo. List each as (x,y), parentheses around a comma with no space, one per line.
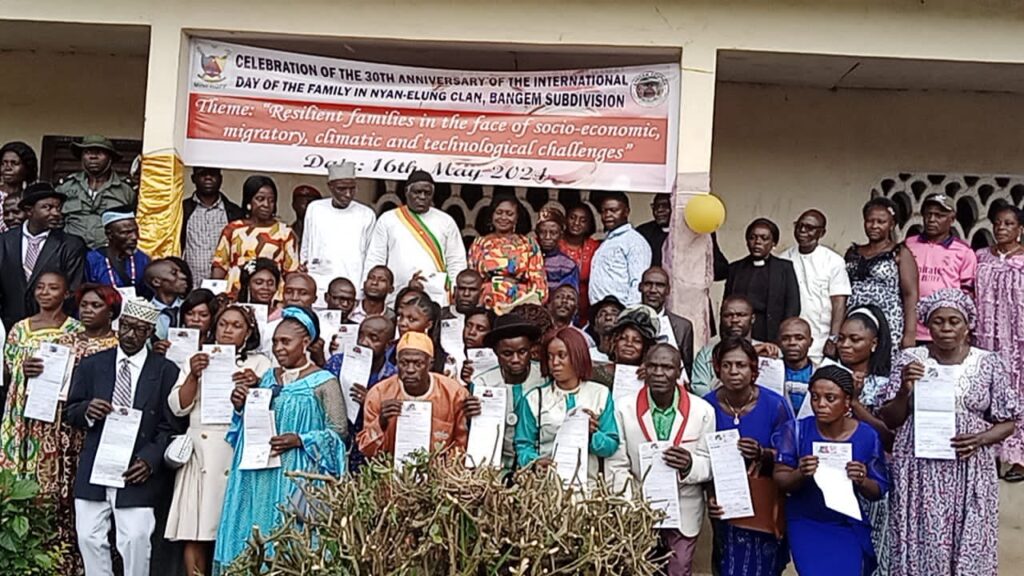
(832,479)
(772,375)
(626,384)
(330,321)
(117,442)
(217,386)
(571,453)
(355,369)
(487,431)
(259,311)
(183,343)
(483,359)
(346,336)
(935,412)
(45,390)
(435,285)
(127,292)
(258,427)
(451,341)
(215,286)
(661,483)
(732,488)
(412,431)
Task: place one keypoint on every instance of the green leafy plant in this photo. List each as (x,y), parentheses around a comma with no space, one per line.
(28,542)
(437,517)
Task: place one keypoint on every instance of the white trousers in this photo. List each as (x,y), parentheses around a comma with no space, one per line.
(134,528)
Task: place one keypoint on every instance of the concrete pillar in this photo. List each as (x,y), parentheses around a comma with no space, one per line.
(162,183)
(689,254)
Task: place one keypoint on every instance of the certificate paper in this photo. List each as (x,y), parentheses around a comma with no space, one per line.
(572,448)
(117,441)
(183,343)
(483,359)
(626,384)
(487,431)
(330,321)
(215,286)
(772,375)
(435,285)
(661,484)
(258,427)
(732,488)
(935,412)
(217,386)
(345,337)
(831,477)
(259,311)
(355,369)
(451,341)
(44,391)
(412,431)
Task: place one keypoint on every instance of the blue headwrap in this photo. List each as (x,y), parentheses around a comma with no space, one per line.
(301,316)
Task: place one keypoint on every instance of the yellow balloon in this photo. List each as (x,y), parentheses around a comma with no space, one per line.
(704,213)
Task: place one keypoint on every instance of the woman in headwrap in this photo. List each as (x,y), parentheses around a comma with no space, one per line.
(559,267)
(309,415)
(509,260)
(944,513)
(811,525)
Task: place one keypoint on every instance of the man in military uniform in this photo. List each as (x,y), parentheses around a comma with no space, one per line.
(94,190)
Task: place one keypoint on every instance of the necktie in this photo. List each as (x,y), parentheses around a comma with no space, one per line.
(31,255)
(123,386)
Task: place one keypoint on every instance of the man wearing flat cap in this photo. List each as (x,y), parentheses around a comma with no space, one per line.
(35,247)
(120,264)
(126,382)
(943,260)
(449,401)
(94,190)
(419,243)
(337,232)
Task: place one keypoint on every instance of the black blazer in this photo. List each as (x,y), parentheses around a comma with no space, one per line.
(782,294)
(62,252)
(94,378)
(683,330)
(188,207)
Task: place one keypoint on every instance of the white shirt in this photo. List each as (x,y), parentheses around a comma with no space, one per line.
(135,364)
(334,243)
(821,275)
(394,245)
(26,236)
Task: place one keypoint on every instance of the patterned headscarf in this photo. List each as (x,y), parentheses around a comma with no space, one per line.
(948,298)
(551,214)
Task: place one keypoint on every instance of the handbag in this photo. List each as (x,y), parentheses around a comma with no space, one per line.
(179,451)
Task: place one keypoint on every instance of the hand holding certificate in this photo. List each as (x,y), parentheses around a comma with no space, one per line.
(258,428)
(355,369)
(935,412)
(183,343)
(626,383)
(571,453)
(661,484)
(832,479)
(412,431)
(217,385)
(487,431)
(483,359)
(772,375)
(117,442)
(46,390)
(732,488)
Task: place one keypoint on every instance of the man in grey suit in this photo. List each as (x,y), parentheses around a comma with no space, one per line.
(675,330)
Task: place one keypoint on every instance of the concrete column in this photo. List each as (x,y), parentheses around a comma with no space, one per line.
(689,254)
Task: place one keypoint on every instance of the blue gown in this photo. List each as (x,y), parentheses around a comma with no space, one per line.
(741,551)
(823,541)
(253,496)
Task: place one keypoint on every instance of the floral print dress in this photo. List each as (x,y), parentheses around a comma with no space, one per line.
(512,267)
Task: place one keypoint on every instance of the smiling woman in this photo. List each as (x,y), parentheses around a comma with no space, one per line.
(509,260)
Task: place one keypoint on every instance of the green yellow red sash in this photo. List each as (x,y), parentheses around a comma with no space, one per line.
(424,236)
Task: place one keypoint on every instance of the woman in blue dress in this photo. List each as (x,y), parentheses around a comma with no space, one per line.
(749,546)
(309,414)
(823,541)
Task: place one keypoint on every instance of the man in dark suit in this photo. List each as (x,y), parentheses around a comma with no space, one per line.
(675,330)
(127,380)
(35,247)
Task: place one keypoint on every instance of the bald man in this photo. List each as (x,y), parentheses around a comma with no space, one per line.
(299,290)
(824,283)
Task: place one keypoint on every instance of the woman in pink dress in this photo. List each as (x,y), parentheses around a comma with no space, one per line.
(1000,298)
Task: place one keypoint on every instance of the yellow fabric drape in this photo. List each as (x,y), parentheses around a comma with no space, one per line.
(161,190)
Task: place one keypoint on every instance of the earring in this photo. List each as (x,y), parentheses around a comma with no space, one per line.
(873,348)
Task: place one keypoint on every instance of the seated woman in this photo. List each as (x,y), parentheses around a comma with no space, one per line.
(311,426)
(540,415)
(812,526)
(199,485)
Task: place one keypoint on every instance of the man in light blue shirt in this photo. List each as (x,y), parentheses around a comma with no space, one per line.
(619,263)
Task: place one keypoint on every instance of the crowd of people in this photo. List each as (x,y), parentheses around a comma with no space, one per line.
(563,313)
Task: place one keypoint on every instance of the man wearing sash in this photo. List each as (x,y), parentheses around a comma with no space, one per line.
(419,243)
(663,411)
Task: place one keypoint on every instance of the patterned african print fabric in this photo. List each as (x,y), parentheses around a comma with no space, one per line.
(582,255)
(512,267)
(241,242)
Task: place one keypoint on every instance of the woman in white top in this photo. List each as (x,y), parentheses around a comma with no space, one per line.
(200,483)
